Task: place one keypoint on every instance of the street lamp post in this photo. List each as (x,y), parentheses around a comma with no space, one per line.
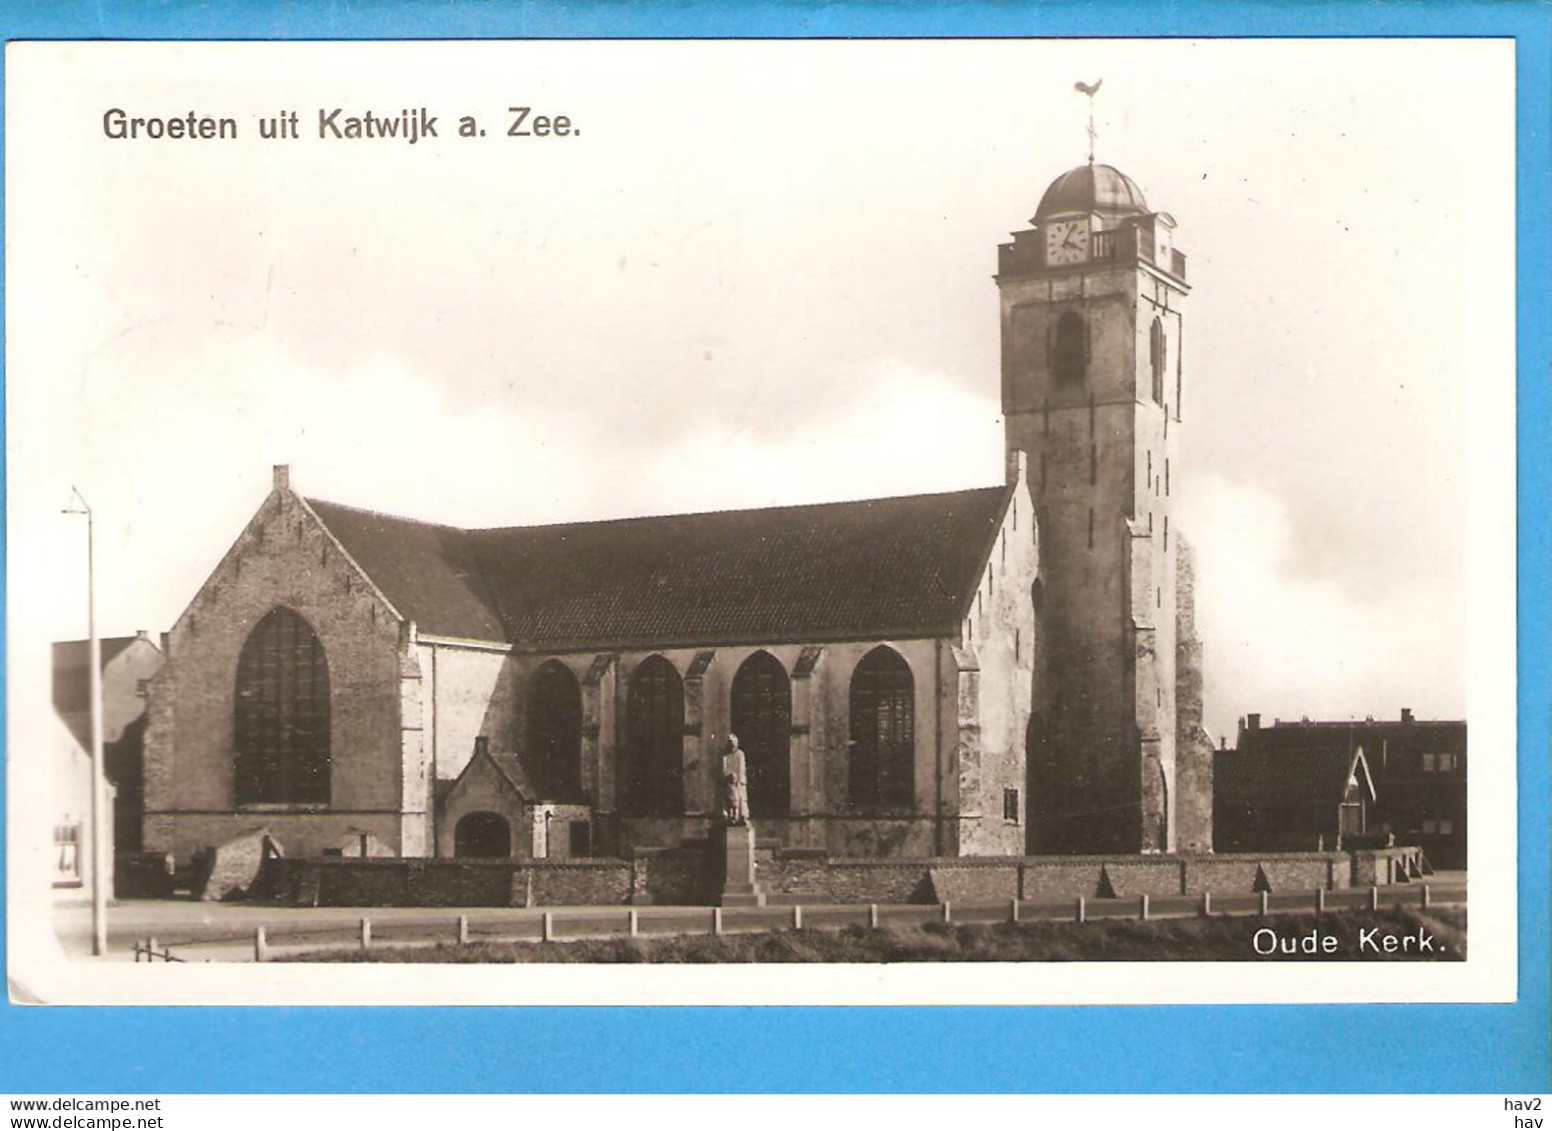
(99,848)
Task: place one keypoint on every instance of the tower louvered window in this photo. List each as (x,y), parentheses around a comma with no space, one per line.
(883,732)
(282,714)
(1070,354)
(653,780)
(1157,352)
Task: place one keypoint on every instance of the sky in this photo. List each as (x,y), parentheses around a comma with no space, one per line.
(760,273)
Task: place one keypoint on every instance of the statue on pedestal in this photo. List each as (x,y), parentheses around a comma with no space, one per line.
(735,784)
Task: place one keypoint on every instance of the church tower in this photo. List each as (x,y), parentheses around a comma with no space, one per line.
(1093,380)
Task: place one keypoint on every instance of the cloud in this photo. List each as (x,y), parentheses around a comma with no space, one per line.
(384,437)
(1289,644)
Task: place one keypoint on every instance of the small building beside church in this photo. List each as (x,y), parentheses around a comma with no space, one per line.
(1302,800)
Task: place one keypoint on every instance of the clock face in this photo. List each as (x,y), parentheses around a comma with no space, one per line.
(1066,241)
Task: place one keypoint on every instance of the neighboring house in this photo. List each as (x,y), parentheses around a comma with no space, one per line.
(127,663)
(73,814)
(1419,769)
(1299,800)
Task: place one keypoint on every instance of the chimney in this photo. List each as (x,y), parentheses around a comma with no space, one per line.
(282,477)
(481,745)
(1406,714)
(1253,721)
(166,643)
(143,634)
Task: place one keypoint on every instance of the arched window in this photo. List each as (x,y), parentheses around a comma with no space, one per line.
(1071,353)
(652,783)
(554,726)
(282,714)
(762,719)
(482,834)
(883,732)
(1157,351)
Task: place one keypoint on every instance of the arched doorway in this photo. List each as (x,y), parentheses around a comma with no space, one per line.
(882,772)
(482,834)
(652,783)
(762,719)
(554,731)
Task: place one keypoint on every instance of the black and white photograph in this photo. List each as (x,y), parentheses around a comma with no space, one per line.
(919,521)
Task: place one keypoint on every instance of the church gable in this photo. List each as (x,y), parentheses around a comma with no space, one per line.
(284,567)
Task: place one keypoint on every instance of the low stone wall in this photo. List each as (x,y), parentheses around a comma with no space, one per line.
(683,876)
(143,875)
(1395,864)
(818,877)
(670,876)
(346,882)
(1046,878)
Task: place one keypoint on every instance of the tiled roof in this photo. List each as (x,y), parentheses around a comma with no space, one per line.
(429,572)
(878,567)
(1284,777)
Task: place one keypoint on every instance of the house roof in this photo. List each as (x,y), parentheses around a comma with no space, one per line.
(1305,775)
(72,663)
(1281,737)
(876,567)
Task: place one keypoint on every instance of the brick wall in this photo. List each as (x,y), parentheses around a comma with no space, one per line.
(456,883)
(670,876)
(283,558)
(683,877)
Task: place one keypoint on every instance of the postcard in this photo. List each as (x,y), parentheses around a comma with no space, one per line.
(761,522)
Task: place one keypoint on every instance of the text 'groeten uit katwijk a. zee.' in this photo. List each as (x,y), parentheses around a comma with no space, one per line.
(336,124)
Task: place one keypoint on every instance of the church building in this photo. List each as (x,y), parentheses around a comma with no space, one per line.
(996,671)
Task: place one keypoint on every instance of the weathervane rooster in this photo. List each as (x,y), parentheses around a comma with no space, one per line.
(1091,91)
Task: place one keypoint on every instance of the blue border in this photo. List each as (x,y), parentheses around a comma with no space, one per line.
(1156,1049)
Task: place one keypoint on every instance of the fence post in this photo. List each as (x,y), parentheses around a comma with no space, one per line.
(547,927)
(873,916)
(1083,910)
(1207,904)
(1266,903)
(634,922)
(1320,901)
(260,944)
(366,933)
(797,916)
(716,920)
(463,930)
(1427,897)
(948,915)
(1013,910)
(151,948)
(1374,897)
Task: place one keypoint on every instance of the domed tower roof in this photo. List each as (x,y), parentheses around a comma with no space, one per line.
(1092,188)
